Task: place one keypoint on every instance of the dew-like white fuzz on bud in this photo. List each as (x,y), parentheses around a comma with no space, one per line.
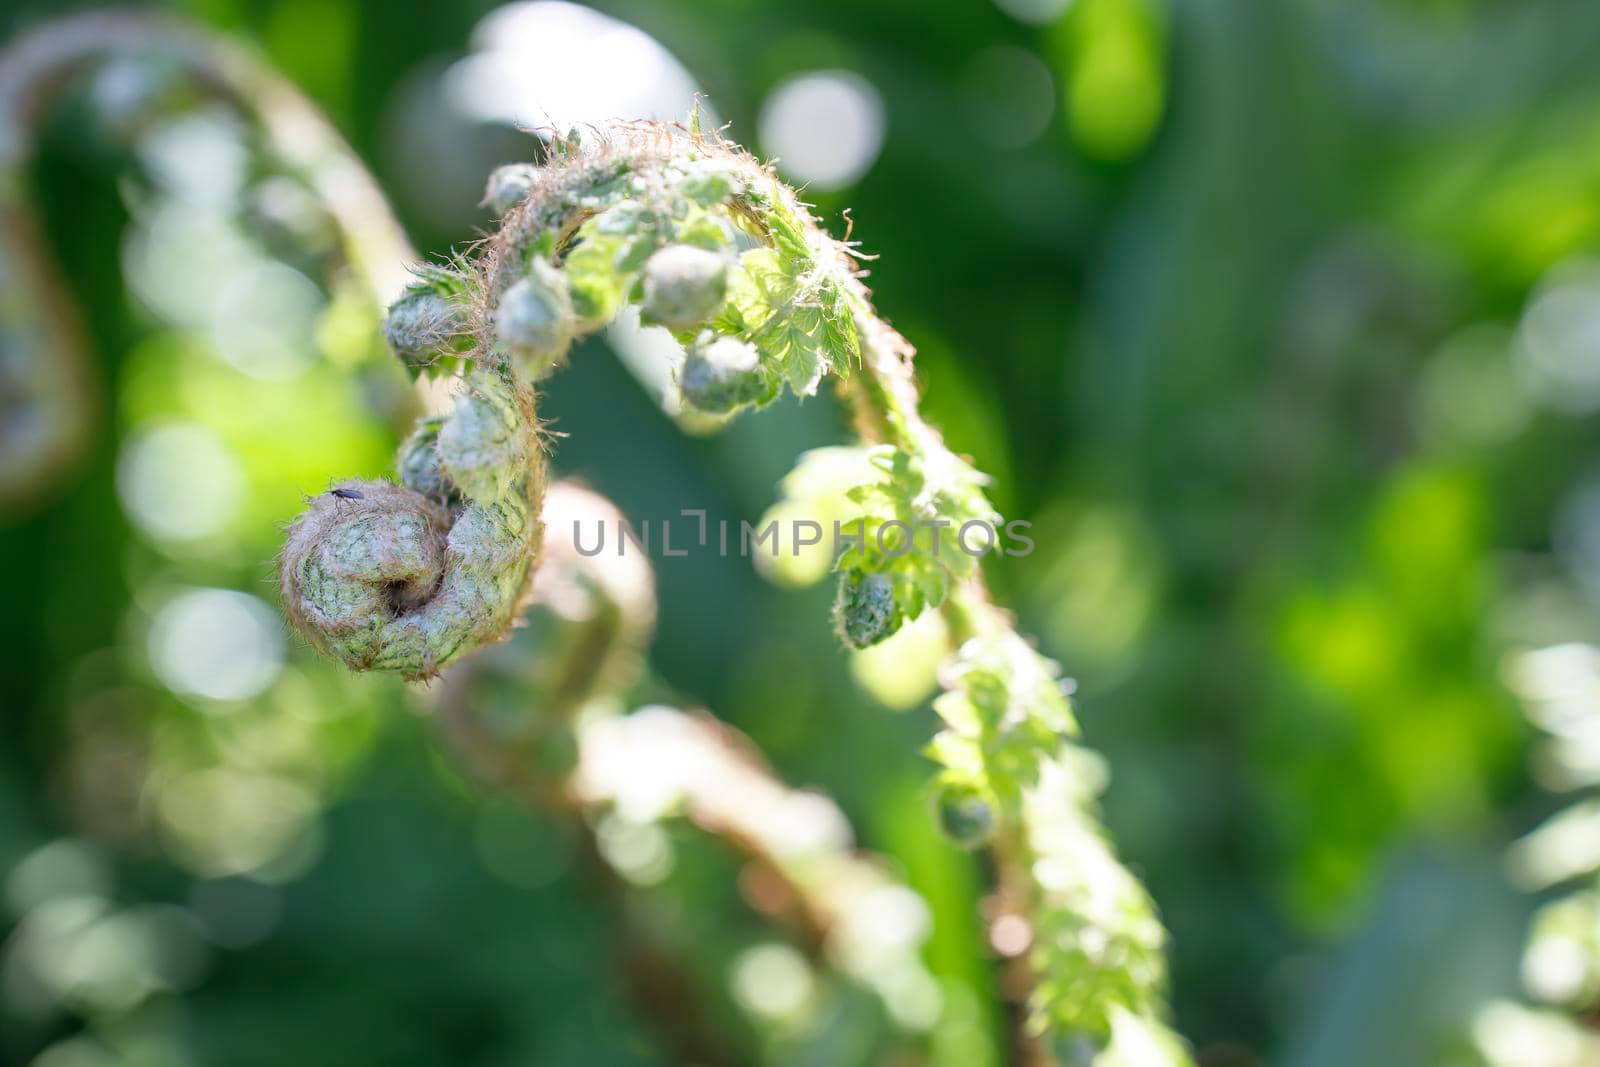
(418,464)
(425,324)
(722,375)
(483,447)
(684,286)
(508,186)
(534,320)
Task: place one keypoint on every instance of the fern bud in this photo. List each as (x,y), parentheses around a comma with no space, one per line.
(866,611)
(418,464)
(965,815)
(684,286)
(709,181)
(509,186)
(723,375)
(482,446)
(535,320)
(426,323)
(357,560)
(385,577)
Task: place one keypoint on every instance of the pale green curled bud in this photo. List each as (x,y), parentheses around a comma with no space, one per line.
(534,320)
(724,374)
(509,186)
(865,610)
(710,181)
(486,444)
(428,322)
(384,578)
(684,286)
(418,464)
(965,815)
(357,566)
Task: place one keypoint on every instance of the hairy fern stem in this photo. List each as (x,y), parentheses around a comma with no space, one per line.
(414,575)
(709,243)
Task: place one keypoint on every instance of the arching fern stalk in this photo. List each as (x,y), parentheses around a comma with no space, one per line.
(706,242)
(47,395)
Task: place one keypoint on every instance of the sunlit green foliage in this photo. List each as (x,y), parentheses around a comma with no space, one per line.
(1273,325)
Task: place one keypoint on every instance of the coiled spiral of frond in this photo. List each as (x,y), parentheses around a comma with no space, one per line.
(708,243)
(408,577)
(697,234)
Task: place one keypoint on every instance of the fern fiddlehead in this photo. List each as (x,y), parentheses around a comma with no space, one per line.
(707,242)
(399,578)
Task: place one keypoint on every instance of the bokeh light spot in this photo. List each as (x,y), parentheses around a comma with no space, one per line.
(222,821)
(264,321)
(773,981)
(216,643)
(199,158)
(825,128)
(179,482)
(1559,338)
(554,64)
(63,868)
(1116,87)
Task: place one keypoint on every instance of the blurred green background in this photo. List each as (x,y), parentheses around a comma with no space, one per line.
(1278,318)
